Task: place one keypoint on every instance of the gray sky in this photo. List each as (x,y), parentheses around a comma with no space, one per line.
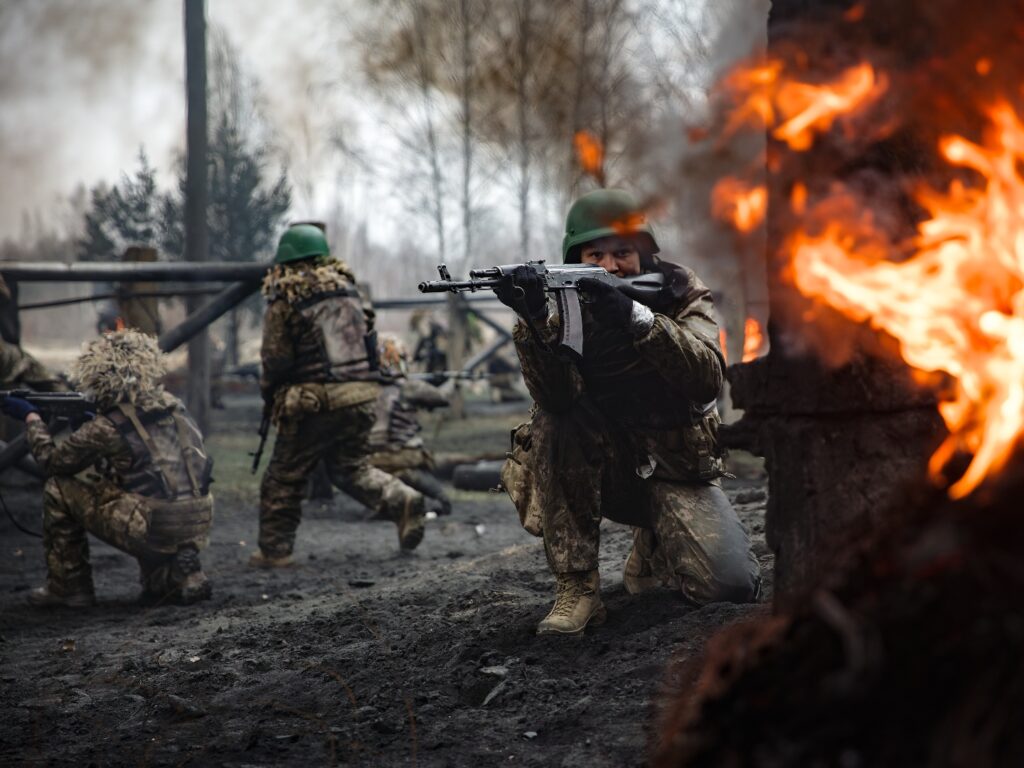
(84,83)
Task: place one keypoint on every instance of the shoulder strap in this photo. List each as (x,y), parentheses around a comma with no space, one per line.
(130,413)
(183,442)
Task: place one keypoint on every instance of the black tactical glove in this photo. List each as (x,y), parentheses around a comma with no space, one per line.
(17,408)
(523,291)
(608,305)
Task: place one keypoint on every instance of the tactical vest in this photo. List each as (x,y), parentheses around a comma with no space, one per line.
(345,348)
(168,459)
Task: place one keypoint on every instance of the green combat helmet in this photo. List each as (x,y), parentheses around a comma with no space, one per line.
(602,213)
(300,241)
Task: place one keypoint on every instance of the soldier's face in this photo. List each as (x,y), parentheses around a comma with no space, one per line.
(617,255)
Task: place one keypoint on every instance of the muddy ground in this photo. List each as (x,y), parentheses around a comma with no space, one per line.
(358,656)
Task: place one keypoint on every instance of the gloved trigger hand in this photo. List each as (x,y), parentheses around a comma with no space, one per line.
(17,407)
(523,291)
(608,305)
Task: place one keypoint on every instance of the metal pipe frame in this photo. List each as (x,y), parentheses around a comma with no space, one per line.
(157,271)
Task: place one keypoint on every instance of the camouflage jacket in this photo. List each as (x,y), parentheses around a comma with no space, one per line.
(288,337)
(651,396)
(105,446)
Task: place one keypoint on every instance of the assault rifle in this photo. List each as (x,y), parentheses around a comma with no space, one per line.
(263,431)
(58,409)
(59,406)
(561,280)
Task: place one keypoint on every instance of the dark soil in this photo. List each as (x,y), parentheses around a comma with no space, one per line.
(359,655)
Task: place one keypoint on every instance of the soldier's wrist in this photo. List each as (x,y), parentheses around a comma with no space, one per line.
(641,320)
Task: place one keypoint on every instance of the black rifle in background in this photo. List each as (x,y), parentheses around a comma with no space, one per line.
(264,430)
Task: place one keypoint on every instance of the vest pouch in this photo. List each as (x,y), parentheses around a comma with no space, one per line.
(518,480)
(175,523)
(301,400)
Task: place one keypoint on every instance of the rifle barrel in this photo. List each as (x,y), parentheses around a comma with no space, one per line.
(455,286)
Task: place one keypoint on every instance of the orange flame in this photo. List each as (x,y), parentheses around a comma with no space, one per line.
(740,204)
(798,111)
(722,339)
(630,224)
(957,305)
(753,340)
(590,152)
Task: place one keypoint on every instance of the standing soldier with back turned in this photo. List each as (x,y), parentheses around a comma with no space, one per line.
(136,476)
(321,381)
(628,432)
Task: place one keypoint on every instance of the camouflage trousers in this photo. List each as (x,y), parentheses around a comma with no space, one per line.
(74,507)
(684,533)
(339,437)
(415,468)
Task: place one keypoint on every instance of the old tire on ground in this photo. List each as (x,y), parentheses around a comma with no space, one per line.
(482,476)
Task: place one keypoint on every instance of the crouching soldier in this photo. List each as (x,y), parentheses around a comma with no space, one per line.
(321,380)
(136,476)
(395,438)
(628,432)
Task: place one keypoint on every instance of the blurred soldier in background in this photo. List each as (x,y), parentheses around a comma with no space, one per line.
(136,476)
(321,380)
(395,441)
(17,367)
(629,432)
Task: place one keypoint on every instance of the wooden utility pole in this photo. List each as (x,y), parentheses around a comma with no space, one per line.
(196,236)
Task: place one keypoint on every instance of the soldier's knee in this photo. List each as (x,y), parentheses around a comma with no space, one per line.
(735,579)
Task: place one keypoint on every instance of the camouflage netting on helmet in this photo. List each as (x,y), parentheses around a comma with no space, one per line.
(296,280)
(121,367)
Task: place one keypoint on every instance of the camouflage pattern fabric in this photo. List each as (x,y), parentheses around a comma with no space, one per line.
(591,450)
(82,496)
(339,436)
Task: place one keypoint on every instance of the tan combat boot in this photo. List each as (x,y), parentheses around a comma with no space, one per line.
(261,560)
(411,524)
(577,603)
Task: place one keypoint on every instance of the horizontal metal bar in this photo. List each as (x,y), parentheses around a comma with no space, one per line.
(157,271)
(167,294)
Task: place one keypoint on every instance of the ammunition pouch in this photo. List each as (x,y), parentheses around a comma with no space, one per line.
(518,479)
(174,523)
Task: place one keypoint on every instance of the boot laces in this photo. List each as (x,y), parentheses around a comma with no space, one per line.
(570,592)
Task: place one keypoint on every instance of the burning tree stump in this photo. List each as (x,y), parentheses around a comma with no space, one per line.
(899,618)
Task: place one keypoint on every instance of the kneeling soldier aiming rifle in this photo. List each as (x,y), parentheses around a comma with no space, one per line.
(135,474)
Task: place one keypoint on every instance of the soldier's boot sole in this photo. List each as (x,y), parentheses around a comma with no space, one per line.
(411,526)
(260,560)
(42,597)
(596,619)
